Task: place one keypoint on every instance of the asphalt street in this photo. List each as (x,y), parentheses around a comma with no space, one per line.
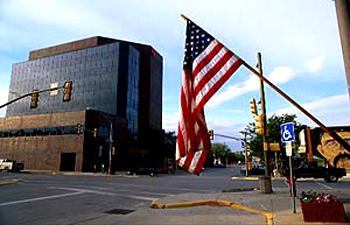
(61,199)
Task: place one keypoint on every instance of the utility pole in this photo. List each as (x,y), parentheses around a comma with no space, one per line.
(265,184)
(263,113)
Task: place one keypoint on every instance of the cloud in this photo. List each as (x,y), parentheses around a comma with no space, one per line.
(333,110)
(170,120)
(279,75)
(315,64)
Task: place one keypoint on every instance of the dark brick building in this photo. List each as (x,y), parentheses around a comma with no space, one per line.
(114,81)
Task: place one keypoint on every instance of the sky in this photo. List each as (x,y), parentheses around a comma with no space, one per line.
(299,42)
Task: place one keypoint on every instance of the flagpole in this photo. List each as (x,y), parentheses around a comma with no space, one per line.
(334,135)
(184,17)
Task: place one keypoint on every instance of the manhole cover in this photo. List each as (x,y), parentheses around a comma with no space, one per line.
(120,211)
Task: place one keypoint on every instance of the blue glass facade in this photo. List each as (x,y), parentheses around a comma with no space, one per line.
(133,90)
(116,77)
(94,72)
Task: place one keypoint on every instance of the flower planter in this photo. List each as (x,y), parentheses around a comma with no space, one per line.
(323,212)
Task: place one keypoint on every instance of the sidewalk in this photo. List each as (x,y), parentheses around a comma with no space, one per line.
(279,203)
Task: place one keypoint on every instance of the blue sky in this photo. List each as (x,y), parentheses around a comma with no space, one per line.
(298,39)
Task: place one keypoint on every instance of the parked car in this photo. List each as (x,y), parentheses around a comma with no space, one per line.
(329,174)
(11,165)
(257,169)
(142,171)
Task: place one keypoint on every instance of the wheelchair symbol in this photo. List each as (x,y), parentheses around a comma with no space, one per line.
(286,134)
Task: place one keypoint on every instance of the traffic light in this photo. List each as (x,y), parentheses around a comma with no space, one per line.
(67,91)
(253,108)
(79,128)
(211,134)
(259,124)
(35,99)
(94,132)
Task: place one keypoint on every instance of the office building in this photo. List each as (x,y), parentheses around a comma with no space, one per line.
(114,82)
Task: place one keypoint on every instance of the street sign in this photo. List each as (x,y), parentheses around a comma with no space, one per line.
(275,147)
(287,132)
(289,148)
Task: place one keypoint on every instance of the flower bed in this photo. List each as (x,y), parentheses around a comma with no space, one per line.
(322,208)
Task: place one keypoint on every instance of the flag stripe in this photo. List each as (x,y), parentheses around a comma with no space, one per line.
(203,54)
(207,65)
(216,66)
(211,62)
(194,161)
(206,56)
(209,90)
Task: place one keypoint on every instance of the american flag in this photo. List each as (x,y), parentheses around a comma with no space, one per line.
(207,66)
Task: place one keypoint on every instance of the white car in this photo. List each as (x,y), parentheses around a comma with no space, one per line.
(9,165)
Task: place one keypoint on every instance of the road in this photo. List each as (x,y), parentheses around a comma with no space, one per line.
(61,199)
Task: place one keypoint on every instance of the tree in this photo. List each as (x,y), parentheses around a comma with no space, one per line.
(220,152)
(169,143)
(273,133)
(234,157)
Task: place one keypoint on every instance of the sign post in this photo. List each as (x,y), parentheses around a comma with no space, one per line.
(287,136)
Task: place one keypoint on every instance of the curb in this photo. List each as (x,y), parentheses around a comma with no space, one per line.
(5,182)
(269,216)
(244,178)
(256,178)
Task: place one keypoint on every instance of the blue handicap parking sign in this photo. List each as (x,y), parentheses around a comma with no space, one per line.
(287,132)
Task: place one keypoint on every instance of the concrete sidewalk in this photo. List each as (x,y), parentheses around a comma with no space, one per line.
(279,203)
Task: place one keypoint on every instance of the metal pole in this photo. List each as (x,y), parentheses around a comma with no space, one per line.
(292,181)
(110,148)
(28,94)
(263,113)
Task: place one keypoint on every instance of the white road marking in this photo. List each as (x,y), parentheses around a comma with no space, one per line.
(125,190)
(324,185)
(106,193)
(165,188)
(40,198)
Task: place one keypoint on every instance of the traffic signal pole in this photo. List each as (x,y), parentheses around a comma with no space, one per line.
(265,182)
(37,92)
(29,94)
(263,114)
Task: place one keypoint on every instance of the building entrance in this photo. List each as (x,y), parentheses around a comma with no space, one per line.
(67,162)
